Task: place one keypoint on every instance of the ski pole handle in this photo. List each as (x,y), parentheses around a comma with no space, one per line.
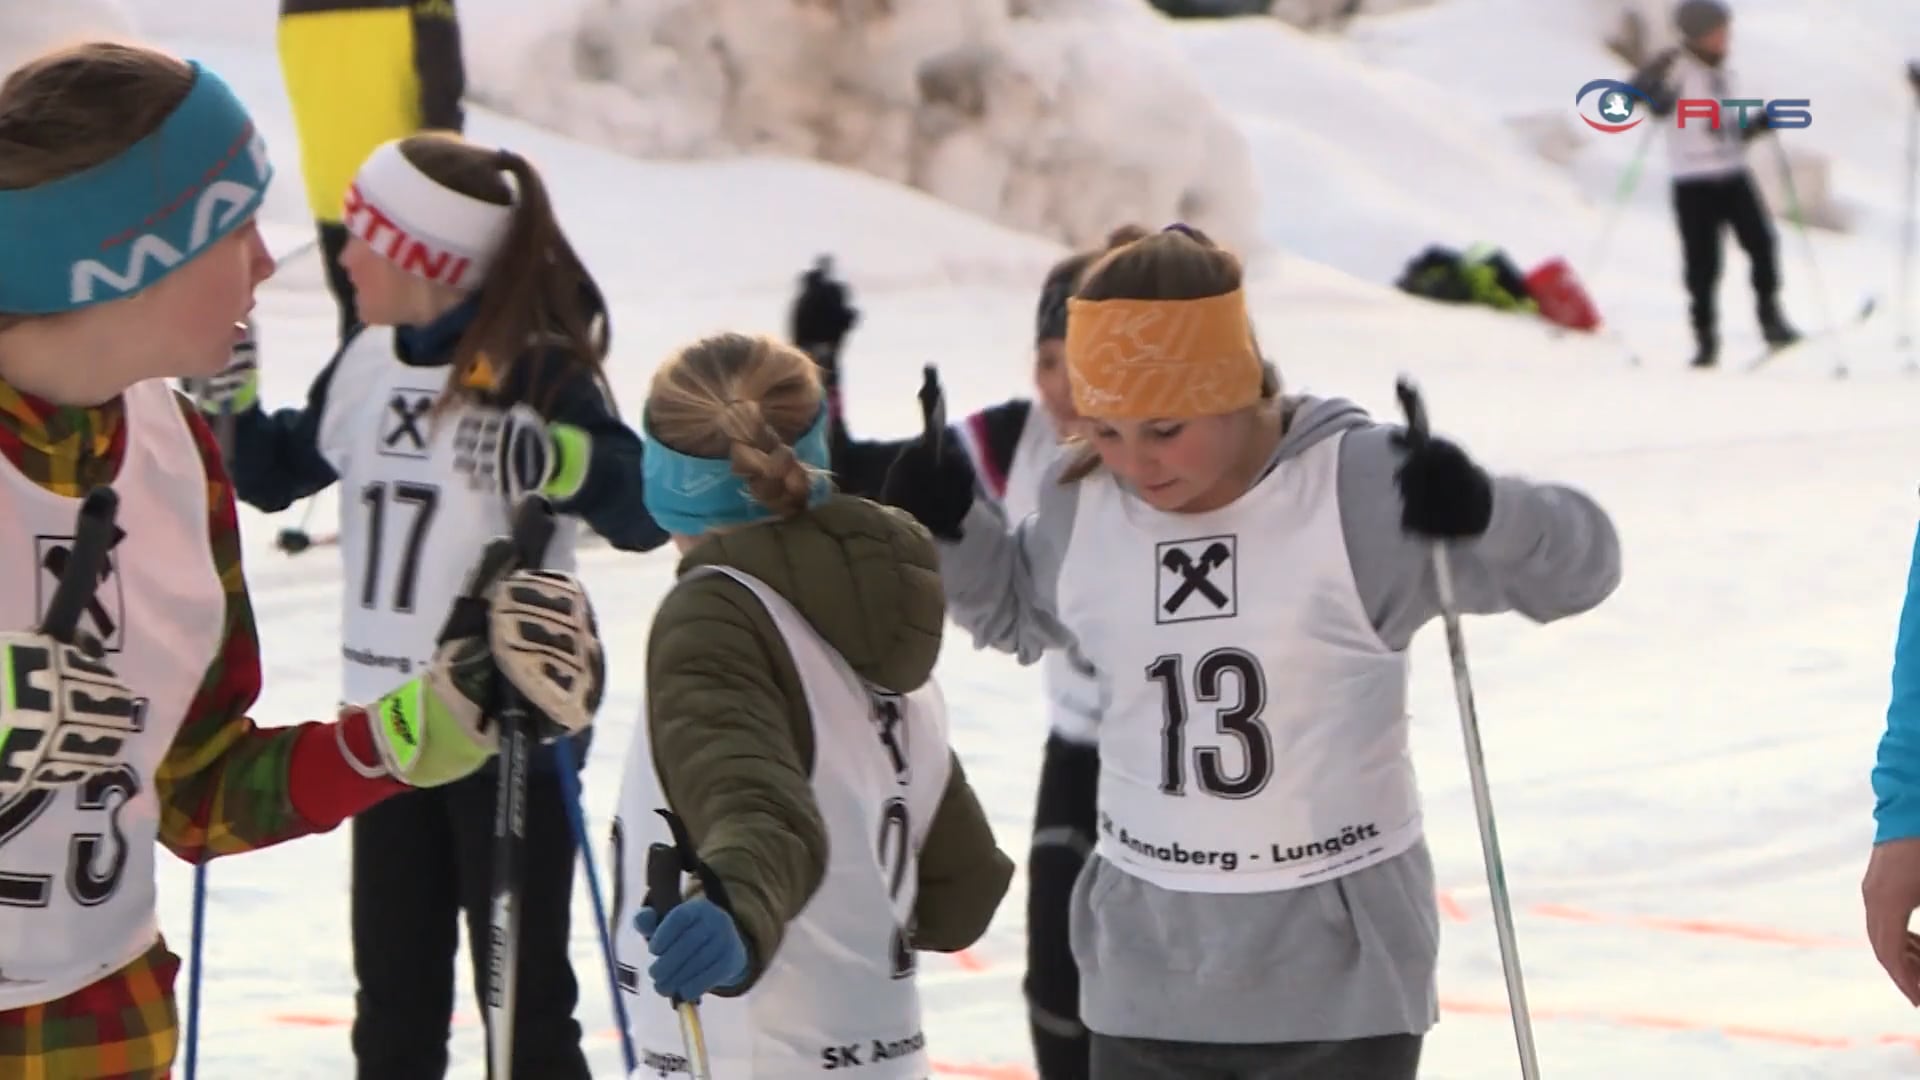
(533,526)
(1418,433)
(93,538)
(663,879)
(933,410)
(663,895)
(663,883)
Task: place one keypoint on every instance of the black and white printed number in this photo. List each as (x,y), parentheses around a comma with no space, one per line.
(896,857)
(96,861)
(1238,717)
(895,844)
(424,501)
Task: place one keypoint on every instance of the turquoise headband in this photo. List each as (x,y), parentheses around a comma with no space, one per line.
(690,495)
(112,230)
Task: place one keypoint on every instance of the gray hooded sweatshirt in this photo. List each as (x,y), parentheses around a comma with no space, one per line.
(1342,959)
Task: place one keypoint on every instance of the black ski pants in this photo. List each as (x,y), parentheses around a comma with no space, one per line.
(1063,824)
(1704,208)
(421,860)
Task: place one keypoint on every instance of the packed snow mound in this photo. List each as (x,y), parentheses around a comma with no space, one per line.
(1063,118)
(28,29)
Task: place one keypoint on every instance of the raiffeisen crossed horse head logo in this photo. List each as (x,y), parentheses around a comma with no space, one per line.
(1611,106)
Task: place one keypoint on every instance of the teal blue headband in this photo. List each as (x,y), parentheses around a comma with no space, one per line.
(690,495)
(109,231)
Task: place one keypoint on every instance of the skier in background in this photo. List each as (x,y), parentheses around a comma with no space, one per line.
(359,73)
(1712,185)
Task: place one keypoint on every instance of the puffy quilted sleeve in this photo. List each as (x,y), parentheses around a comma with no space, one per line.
(726,719)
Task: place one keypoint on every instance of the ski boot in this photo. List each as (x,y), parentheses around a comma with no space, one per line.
(1774,327)
(1706,348)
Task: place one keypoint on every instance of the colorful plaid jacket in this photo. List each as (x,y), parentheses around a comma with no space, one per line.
(226,786)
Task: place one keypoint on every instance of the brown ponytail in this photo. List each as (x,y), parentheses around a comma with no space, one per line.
(538,295)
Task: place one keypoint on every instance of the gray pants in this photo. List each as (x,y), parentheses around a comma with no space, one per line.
(1383,1057)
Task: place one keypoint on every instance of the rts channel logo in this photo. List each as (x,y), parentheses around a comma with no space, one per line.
(1612,106)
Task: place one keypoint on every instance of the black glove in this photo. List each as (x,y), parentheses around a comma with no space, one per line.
(1913,74)
(1443,494)
(931,479)
(821,317)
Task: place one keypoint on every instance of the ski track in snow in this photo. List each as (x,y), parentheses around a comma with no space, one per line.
(1680,777)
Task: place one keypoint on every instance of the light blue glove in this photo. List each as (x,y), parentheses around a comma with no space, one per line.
(697,948)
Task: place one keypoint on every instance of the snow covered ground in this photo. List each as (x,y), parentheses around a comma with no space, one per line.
(1680,777)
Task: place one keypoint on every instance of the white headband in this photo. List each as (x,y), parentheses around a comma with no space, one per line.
(421,226)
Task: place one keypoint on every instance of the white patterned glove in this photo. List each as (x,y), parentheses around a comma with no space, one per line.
(536,629)
(515,452)
(64,715)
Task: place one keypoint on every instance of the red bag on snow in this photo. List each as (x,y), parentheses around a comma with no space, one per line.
(1561,297)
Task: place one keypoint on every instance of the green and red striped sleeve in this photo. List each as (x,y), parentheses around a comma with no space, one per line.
(226,785)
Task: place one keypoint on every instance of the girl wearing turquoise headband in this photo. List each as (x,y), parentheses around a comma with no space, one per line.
(1012,445)
(793,746)
(129,180)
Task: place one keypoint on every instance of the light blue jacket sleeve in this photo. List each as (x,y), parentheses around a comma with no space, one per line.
(1896,769)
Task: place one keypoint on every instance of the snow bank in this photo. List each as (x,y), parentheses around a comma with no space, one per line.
(1366,166)
(1058,117)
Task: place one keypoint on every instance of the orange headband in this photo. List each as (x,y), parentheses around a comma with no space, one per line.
(1137,359)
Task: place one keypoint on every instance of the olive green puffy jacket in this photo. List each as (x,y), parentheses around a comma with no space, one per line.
(730,731)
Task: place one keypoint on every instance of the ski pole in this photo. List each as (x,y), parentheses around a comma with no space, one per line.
(1806,241)
(1622,191)
(297,539)
(197,960)
(294,541)
(94,535)
(1417,435)
(196,953)
(663,895)
(533,527)
(933,410)
(281,260)
(1905,342)
(576,817)
(665,864)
